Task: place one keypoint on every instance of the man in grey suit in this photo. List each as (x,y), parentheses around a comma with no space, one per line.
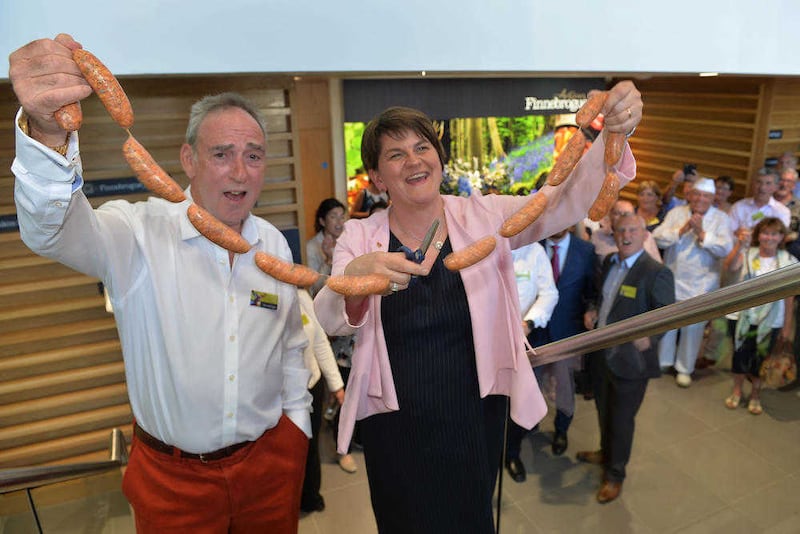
(632,283)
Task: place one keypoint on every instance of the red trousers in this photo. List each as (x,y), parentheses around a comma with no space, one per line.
(256,489)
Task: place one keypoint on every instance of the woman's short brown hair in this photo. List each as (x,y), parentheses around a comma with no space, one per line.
(769,223)
(393,122)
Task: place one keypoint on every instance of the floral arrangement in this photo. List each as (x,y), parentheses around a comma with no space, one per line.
(516,173)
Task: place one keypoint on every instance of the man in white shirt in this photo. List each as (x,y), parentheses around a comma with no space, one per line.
(746,213)
(213,348)
(695,237)
(538,297)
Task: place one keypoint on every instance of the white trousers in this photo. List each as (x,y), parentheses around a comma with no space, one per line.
(683,354)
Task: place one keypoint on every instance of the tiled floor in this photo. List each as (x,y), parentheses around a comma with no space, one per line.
(697,467)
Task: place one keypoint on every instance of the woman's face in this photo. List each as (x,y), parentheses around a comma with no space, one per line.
(647,199)
(723,192)
(333,222)
(408,168)
(768,241)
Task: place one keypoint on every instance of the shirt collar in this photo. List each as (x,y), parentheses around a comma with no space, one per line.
(188,231)
(562,245)
(629,261)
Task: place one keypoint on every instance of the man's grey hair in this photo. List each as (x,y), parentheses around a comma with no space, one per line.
(209,104)
(627,217)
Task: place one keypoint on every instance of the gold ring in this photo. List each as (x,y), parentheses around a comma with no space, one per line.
(629,113)
(394,287)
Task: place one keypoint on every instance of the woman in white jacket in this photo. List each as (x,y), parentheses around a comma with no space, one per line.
(319,360)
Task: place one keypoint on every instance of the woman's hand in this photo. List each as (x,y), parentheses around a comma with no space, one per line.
(339,396)
(622,110)
(393,264)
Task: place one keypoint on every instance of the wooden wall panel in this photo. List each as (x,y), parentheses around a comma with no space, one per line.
(314,131)
(783,114)
(711,122)
(62,383)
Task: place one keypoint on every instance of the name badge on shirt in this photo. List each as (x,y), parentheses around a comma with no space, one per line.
(627,291)
(305,319)
(523,275)
(757,216)
(263,300)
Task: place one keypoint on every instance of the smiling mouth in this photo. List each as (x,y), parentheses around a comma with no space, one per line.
(418,177)
(235,195)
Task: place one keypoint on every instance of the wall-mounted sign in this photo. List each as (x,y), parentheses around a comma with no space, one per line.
(776,134)
(448,98)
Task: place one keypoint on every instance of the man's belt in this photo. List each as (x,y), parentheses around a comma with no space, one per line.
(159,446)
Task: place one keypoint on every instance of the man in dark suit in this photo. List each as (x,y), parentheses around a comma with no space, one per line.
(633,283)
(575,267)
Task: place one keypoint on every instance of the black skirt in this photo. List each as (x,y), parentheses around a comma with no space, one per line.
(432,464)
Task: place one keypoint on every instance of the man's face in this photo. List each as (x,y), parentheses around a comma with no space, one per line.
(765,186)
(700,201)
(226,170)
(629,235)
(786,185)
(723,192)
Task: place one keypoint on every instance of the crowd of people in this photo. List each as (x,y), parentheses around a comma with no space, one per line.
(427,375)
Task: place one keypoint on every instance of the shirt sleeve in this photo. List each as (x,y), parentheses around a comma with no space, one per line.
(547,294)
(55,217)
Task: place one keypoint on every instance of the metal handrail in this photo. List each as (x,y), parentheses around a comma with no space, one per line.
(778,284)
(26,478)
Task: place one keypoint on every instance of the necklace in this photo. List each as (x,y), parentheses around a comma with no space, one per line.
(436,243)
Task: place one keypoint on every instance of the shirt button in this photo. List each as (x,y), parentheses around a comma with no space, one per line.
(57,204)
(232,378)
(222,261)
(232,338)
(231,298)
(230,415)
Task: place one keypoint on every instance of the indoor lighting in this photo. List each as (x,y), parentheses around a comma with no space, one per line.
(708,74)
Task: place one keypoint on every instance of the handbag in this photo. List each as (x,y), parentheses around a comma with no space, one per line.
(779,369)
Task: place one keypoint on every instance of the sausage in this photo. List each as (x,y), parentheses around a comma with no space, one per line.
(216,231)
(469,256)
(150,173)
(568,158)
(525,216)
(606,197)
(290,273)
(351,285)
(615,144)
(591,108)
(106,86)
(69,117)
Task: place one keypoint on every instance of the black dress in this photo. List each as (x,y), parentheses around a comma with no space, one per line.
(432,464)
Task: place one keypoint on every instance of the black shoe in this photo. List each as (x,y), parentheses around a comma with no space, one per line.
(316,504)
(559,443)
(516,469)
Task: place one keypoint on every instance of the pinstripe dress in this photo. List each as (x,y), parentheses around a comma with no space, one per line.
(432,464)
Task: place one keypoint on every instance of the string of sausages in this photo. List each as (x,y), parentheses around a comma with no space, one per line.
(160,183)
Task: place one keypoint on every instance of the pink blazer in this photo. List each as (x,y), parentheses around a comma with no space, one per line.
(503,367)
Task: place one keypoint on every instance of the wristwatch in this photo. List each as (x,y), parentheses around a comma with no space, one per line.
(25,127)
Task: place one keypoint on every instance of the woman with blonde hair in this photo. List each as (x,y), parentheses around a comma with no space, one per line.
(649,205)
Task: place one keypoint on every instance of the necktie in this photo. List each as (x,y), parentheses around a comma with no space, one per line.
(555,262)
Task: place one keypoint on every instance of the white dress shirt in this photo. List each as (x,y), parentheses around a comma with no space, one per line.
(563,246)
(745,213)
(538,295)
(206,365)
(695,265)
